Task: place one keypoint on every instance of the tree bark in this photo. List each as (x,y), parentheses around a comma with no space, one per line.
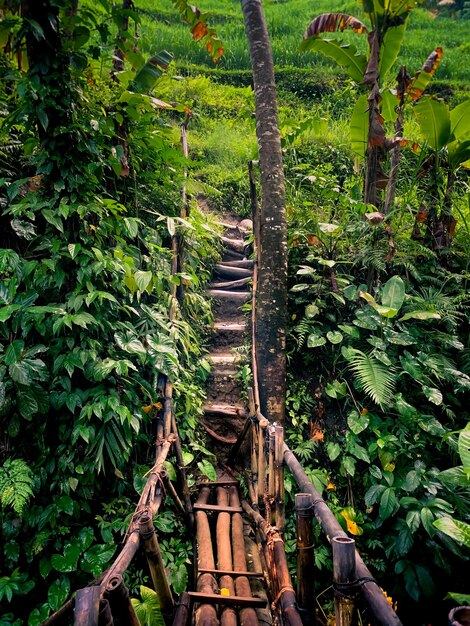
(271,302)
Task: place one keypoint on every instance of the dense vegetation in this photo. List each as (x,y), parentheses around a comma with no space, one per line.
(379,359)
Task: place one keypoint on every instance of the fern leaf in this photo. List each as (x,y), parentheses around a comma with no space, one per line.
(16,484)
(376,380)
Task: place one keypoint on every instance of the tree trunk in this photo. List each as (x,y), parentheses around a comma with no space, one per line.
(271,303)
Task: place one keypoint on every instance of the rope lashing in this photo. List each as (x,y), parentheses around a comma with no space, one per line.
(281,591)
(347,589)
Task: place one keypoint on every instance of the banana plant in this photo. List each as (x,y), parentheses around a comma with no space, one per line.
(388,21)
(446,148)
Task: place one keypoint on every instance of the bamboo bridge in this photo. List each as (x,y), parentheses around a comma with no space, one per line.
(240,565)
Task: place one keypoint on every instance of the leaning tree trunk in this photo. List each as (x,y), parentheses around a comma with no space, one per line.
(271,303)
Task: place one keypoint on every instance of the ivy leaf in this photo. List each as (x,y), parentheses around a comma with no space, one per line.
(334,336)
(179,579)
(333,450)
(68,561)
(143,280)
(432,394)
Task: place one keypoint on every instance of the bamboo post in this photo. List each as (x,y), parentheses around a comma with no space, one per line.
(106,617)
(460,616)
(182,610)
(305,557)
(254,454)
(157,568)
(263,424)
(344,574)
(168,408)
(87,606)
(271,475)
(120,602)
(279,477)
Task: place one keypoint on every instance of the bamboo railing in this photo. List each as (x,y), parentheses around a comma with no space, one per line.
(351,577)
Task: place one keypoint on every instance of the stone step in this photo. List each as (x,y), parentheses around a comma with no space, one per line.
(246,263)
(224,358)
(229,271)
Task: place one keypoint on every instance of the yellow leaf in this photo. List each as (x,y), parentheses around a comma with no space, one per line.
(147,409)
(353,528)
(224,591)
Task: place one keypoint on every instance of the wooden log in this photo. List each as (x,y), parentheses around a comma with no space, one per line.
(371,593)
(305,557)
(246,263)
(168,408)
(234,244)
(228,617)
(206,614)
(344,574)
(248,616)
(182,610)
(231,572)
(234,452)
(254,455)
(233,272)
(217,508)
(279,477)
(236,296)
(219,483)
(157,567)
(87,606)
(120,602)
(231,285)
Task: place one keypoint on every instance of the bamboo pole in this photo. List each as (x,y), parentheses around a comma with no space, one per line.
(254,455)
(182,610)
(279,477)
(106,617)
(460,616)
(257,586)
(168,408)
(263,424)
(271,475)
(228,616)
(157,567)
(181,473)
(171,491)
(305,557)
(206,614)
(248,615)
(372,594)
(87,606)
(120,602)
(344,574)
(277,563)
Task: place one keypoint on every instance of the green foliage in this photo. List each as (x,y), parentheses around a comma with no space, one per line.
(16,484)
(148,609)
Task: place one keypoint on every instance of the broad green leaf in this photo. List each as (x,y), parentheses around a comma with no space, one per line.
(393,294)
(311,310)
(388,104)
(94,559)
(420,315)
(373,494)
(427,518)
(357,423)
(179,578)
(459,531)
(432,394)
(455,476)
(388,503)
(315,341)
(460,598)
(345,55)
(333,450)
(464,446)
(7,311)
(207,469)
(460,121)
(334,336)
(148,75)
(142,279)
(349,464)
(390,48)
(68,561)
(58,593)
(434,121)
(359,126)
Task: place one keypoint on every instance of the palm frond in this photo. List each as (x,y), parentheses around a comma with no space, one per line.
(376,380)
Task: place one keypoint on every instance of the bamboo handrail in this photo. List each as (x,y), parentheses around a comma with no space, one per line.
(372,594)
